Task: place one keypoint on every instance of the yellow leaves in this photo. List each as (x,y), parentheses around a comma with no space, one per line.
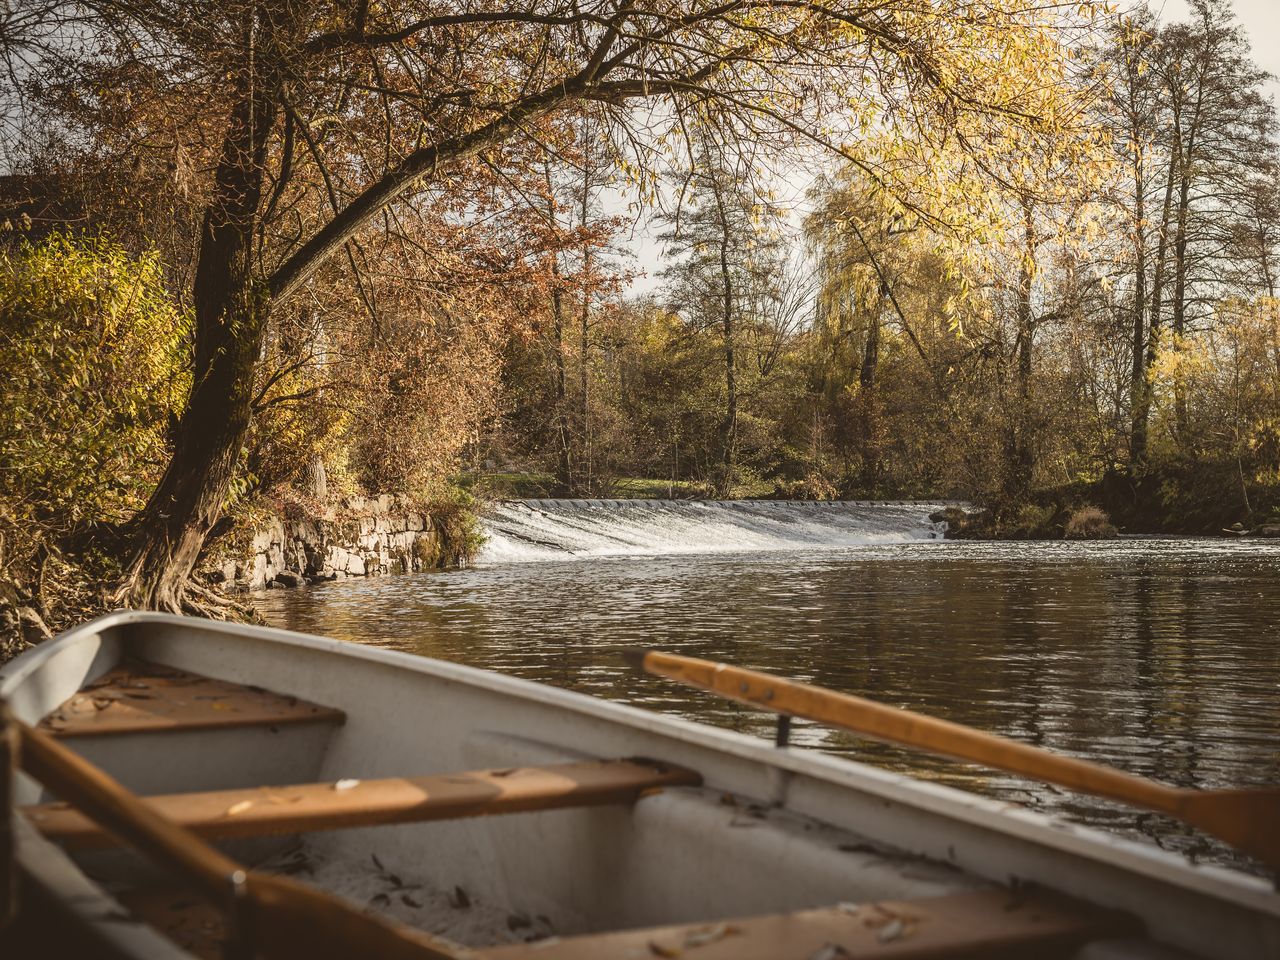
(94,357)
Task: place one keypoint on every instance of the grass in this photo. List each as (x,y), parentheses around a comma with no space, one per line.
(516,485)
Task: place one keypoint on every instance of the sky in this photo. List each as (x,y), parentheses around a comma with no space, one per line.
(1261,22)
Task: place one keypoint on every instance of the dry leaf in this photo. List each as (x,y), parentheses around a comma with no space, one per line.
(240,807)
(662,950)
(892,930)
(346,784)
(705,935)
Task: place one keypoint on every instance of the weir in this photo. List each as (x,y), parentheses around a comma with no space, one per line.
(533,530)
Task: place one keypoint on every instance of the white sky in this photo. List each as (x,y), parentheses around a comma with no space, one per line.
(1261,22)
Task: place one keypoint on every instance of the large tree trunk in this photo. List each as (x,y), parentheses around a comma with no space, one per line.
(1138,404)
(230,315)
(1181,418)
(867,400)
(1020,443)
(1138,440)
(729,425)
(564,428)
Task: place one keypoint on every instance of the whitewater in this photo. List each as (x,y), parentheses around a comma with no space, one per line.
(539,530)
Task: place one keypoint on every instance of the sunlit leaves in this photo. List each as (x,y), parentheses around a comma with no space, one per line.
(93,356)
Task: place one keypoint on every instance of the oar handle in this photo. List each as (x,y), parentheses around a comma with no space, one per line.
(906,728)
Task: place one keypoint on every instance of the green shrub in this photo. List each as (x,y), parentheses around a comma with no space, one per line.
(459,535)
(93,357)
(1089,523)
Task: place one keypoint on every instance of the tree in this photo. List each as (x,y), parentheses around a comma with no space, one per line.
(725,263)
(323,124)
(1219,129)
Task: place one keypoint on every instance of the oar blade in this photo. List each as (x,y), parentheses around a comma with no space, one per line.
(1249,820)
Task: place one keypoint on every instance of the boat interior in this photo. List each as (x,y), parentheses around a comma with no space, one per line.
(466,824)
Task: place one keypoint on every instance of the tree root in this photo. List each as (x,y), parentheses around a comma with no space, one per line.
(198,600)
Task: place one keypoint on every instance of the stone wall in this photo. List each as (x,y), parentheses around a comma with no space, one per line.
(360,537)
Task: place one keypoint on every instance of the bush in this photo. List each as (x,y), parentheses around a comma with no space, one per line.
(1089,523)
(459,535)
(93,355)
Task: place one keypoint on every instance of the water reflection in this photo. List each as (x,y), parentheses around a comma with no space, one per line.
(1161,657)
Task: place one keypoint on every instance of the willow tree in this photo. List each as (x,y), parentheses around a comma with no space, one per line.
(320,119)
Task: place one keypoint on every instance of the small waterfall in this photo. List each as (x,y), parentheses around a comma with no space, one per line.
(528,530)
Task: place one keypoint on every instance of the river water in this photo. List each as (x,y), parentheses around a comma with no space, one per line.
(1161,656)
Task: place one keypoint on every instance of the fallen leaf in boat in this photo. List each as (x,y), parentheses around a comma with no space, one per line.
(408,901)
(381,899)
(831,951)
(893,930)
(346,784)
(663,950)
(459,899)
(518,921)
(377,863)
(240,807)
(705,935)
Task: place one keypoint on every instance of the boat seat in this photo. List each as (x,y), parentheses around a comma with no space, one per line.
(142,697)
(979,924)
(263,811)
(985,924)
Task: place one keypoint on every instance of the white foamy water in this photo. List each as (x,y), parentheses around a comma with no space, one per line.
(531,530)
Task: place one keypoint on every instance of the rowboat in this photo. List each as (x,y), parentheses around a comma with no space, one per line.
(304,797)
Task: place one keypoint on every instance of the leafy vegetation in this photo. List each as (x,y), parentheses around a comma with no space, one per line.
(370,249)
(93,354)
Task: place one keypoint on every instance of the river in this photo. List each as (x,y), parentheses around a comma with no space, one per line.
(1159,656)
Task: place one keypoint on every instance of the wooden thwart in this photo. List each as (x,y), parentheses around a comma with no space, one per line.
(141,697)
(988,923)
(363,803)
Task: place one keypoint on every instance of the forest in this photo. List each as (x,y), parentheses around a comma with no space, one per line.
(259,255)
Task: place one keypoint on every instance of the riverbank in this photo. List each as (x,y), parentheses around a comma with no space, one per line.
(300,542)
(284,539)
(1180,499)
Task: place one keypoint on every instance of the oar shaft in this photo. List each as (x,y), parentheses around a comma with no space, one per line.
(79,782)
(910,729)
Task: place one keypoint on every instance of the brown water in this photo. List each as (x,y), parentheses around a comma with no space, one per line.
(1161,657)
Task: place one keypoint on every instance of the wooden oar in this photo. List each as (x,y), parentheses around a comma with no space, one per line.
(282,918)
(1247,819)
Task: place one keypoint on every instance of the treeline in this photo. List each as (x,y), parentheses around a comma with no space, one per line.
(258,253)
(1101,323)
